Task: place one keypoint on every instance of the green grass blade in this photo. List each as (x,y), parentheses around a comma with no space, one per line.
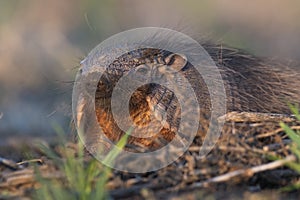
(291,133)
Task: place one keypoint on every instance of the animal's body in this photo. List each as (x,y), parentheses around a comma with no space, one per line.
(252,84)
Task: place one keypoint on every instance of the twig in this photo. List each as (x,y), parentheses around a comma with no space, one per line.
(275,146)
(271,133)
(18,178)
(27,175)
(30,161)
(221,147)
(9,163)
(256,117)
(251,171)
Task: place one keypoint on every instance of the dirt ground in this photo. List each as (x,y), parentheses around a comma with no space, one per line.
(239,167)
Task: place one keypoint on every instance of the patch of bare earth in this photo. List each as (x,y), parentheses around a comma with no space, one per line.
(238,167)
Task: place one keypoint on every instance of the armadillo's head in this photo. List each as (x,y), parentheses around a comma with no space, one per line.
(158,69)
(146,72)
(144,75)
(140,67)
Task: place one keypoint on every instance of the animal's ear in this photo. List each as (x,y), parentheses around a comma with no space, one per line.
(176,61)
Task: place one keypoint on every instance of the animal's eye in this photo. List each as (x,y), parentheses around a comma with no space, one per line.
(142,70)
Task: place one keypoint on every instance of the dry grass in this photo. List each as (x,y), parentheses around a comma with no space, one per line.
(244,157)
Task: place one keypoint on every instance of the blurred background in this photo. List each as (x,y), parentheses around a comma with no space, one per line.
(42,42)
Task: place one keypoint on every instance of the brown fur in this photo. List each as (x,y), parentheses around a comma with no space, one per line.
(252,84)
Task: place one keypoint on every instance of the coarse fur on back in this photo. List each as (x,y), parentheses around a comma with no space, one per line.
(252,84)
(257,84)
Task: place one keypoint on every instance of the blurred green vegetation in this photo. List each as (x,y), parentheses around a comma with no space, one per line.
(294,135)
(84,179)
